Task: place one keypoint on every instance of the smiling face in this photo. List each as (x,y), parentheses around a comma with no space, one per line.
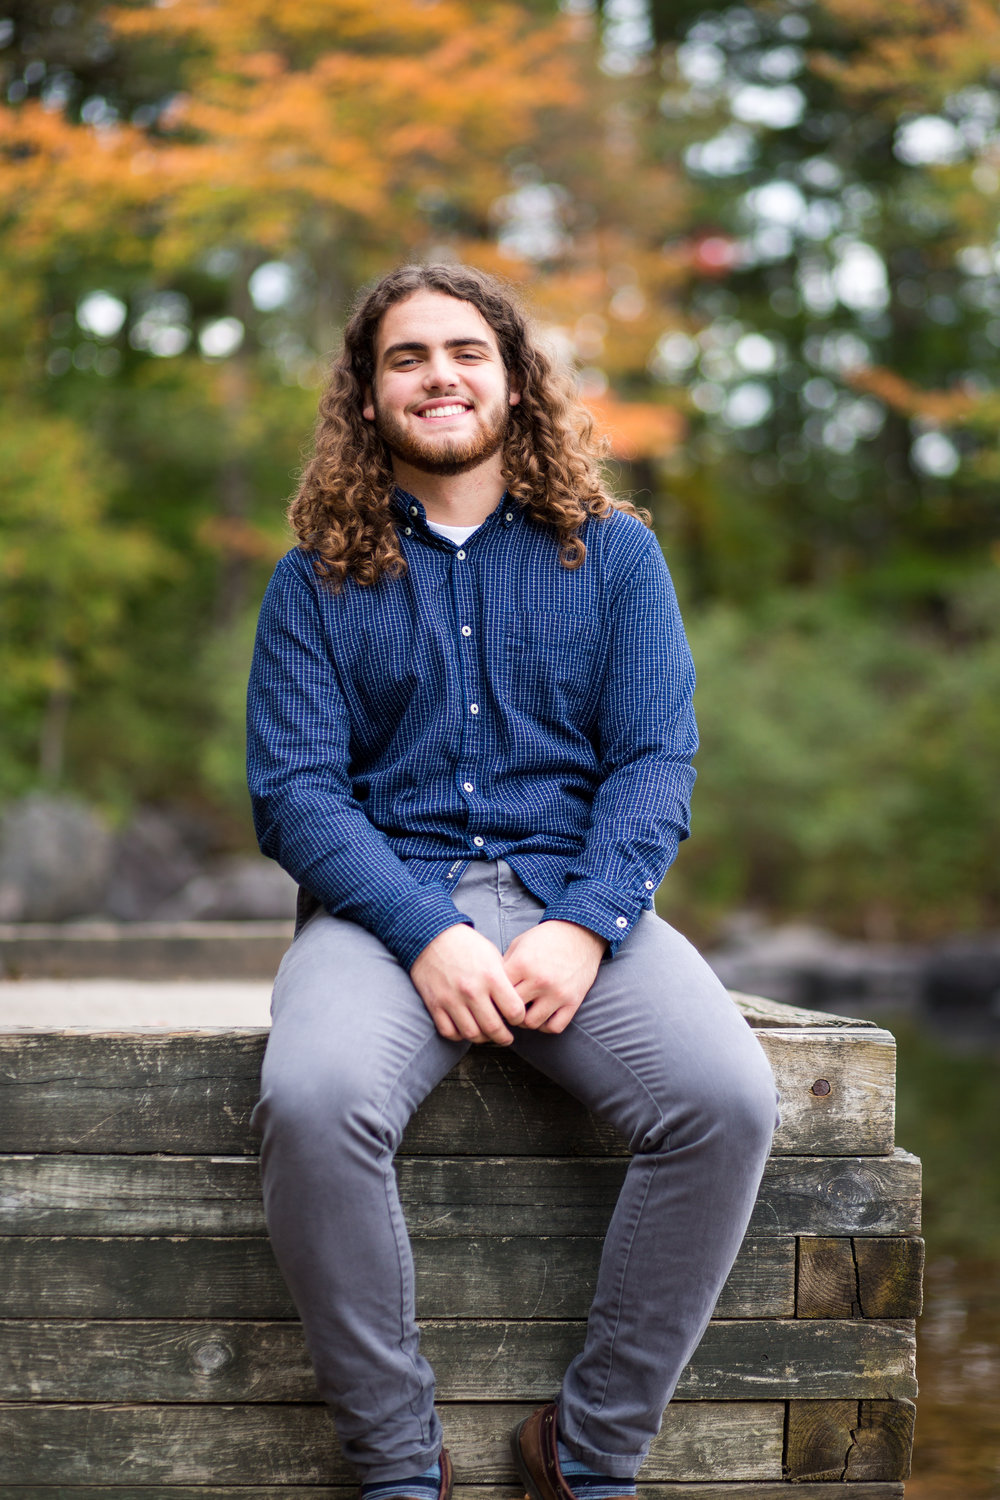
(441,400)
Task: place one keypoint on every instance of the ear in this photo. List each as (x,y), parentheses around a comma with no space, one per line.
(368,410)
(513,394)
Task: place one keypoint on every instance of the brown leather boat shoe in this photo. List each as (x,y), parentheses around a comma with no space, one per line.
(447,1479)
(533,1444)
(447,1476)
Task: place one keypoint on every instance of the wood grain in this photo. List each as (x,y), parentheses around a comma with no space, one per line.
(179,1276)
(193,1092)
(295,1444)
(441,1196)
(860,1278)
(253,1360)
(848,1440)
(891,1273)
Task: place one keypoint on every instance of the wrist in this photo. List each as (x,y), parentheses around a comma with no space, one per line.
(600,943)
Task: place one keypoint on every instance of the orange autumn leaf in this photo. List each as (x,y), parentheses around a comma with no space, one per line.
(940,407)
(635,429)
(319,105)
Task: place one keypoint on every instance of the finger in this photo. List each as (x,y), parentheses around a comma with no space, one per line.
(526,988)
(445,1026)
(469,1028)
(491,1024)
(559,1020)
(478,1020)
(507,1000)
(457,1015)
(538,1012)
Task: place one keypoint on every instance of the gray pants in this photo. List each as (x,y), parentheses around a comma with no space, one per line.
(657,1047)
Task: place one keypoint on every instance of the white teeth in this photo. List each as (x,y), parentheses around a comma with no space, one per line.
(444,411)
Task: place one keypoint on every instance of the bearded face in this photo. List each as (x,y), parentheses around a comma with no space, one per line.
(443,451)
(441,397)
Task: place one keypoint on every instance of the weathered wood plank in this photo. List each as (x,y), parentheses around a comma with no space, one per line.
(167,1361)
(198,1276)
(848,1440)
(441,1196)
(736,1360)
(168,1276)
(883,1441)
(295,1444)
(678,1491)
(859,1278)
(759,1012)
(136,1092)
(891,1273)
(839,1195)
(192,1093)
(838,1090)
(828,1284)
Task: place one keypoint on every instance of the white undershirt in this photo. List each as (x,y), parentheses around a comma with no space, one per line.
(455,534)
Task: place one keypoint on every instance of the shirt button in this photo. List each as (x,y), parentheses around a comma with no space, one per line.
(466,629)
(473,708)
(413,510)
(509,516)
(478,841)
(649,885)
(467,786)
(621,921)
(408,530)
(460,556)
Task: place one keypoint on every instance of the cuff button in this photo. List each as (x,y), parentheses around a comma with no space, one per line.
(621,921)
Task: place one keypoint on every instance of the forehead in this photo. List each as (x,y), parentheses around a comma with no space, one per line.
(432,318)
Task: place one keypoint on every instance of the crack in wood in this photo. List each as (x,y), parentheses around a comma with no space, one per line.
(858,1310)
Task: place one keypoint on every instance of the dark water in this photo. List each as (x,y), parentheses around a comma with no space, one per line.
(956,1451)
(948,1114)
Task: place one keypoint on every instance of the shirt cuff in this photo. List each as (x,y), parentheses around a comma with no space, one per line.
(593,905)
(408,927)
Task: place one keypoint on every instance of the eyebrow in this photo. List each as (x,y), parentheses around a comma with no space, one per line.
(448,344)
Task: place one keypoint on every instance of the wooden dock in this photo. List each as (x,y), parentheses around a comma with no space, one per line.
(152,1351)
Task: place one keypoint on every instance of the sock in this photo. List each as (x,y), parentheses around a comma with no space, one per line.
(585,1482)
(423,1486)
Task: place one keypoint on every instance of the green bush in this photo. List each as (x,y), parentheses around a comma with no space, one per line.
(847,772)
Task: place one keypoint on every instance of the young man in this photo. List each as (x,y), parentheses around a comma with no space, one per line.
(470,742)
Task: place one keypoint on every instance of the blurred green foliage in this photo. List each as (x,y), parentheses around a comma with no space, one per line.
(848,766)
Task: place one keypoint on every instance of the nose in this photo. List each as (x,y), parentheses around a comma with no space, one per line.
(439,373)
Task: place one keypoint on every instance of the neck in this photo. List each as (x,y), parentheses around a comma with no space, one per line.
(454,499)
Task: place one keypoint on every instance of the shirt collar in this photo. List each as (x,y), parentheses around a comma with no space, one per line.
(411,512)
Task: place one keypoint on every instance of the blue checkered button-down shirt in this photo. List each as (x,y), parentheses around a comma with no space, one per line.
(489,704)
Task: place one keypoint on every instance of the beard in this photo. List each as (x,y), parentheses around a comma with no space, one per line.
(445,455)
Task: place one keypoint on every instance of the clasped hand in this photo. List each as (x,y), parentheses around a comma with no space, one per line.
(475,993)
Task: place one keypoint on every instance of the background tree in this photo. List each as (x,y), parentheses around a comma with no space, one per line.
(764,232)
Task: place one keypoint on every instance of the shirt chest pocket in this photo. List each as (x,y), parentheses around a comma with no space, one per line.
(553,665)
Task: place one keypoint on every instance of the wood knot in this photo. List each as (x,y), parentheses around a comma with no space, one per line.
(211,1356)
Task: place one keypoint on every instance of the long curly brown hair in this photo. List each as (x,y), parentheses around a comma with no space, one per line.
(551,459)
